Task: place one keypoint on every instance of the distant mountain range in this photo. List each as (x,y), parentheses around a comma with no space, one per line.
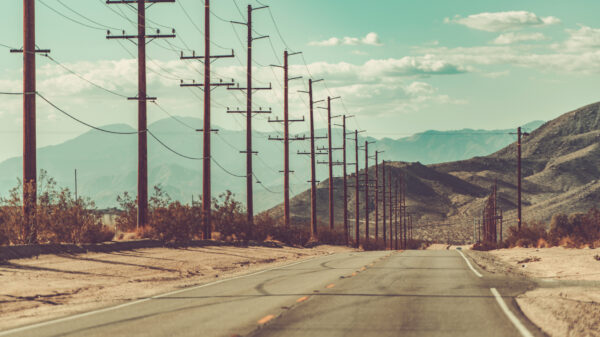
(107,163)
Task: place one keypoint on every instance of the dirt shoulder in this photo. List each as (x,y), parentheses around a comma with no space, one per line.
(567,301)
(50,286)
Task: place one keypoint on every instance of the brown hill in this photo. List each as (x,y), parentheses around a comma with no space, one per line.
(561,161)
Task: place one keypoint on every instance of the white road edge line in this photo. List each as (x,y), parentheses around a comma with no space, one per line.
(515,321)
(469,264)
(90,313)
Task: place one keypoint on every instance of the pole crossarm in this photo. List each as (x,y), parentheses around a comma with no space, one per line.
(216,84)
(202,57)
(289,139)
(259,111)
(253,88)
(277,120)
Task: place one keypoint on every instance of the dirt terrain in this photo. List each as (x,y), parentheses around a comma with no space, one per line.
(567,300)
(37,289)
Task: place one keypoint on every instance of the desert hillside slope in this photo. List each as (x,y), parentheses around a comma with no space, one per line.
(561,161)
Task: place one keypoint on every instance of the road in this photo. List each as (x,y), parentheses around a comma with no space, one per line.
(410,293)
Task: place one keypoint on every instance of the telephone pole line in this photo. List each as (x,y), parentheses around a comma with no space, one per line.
(397,209)
(357,187)
(377,194)
(313,177)
(249,89)
(286,135)
(330,163)
(391,210)
(345,175)
(29,52)
(142,97)
(207,130)
(367,182)
(383,208)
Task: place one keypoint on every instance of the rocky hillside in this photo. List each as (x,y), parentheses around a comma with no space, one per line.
(561,161)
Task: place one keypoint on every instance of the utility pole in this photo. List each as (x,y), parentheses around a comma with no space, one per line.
(377,194)
(313,177)
(207,130)
(249,89)
(367,191)
(344,163)
(29,51)
(142,98)
(286,135)
(383,208)
(405,211)
(357,187)
(76,197)
(396,215)
(391,211)
(330,163)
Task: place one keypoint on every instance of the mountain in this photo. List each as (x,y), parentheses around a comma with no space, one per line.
(107,164)
(561,168)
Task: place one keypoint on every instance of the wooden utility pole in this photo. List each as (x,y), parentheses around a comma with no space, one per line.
(377,194)
(383,208)
(329,149)
(356,196)
(286,136)
(344,163)
(391,210)
(397,209)
(29,50)
(142,98)
(313,174)
(207,130)
(249,112)
(367,191)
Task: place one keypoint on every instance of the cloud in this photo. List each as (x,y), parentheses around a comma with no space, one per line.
(371,39)
(510,38)
(502,21)
(584,38)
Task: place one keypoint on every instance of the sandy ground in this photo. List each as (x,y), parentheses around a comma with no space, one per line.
(554,263)
(50,286)
(567,303)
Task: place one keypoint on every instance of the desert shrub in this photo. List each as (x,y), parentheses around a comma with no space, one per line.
(171,221)
(126,220)
(229,217)
(529,235)
(373,245)
(580,229)
(332,237)
(59,217)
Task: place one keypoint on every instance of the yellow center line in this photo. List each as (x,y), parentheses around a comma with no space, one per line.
(302,299)
(266,319)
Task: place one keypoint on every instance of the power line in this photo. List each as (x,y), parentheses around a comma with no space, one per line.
(226,171)
(83,78)
(85,17)
(69,18)
(82,122)
(170,148)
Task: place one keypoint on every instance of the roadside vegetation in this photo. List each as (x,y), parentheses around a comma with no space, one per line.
(578,230)
(60,218)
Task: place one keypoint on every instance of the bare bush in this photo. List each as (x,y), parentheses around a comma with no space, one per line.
(59,217)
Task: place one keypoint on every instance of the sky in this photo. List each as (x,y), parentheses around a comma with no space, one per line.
(400,66)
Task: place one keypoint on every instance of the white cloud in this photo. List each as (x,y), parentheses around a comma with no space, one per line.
(371,39)
(502,21)
(510,38)
(584,38)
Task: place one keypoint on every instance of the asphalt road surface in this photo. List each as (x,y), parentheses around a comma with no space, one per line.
(411,293)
